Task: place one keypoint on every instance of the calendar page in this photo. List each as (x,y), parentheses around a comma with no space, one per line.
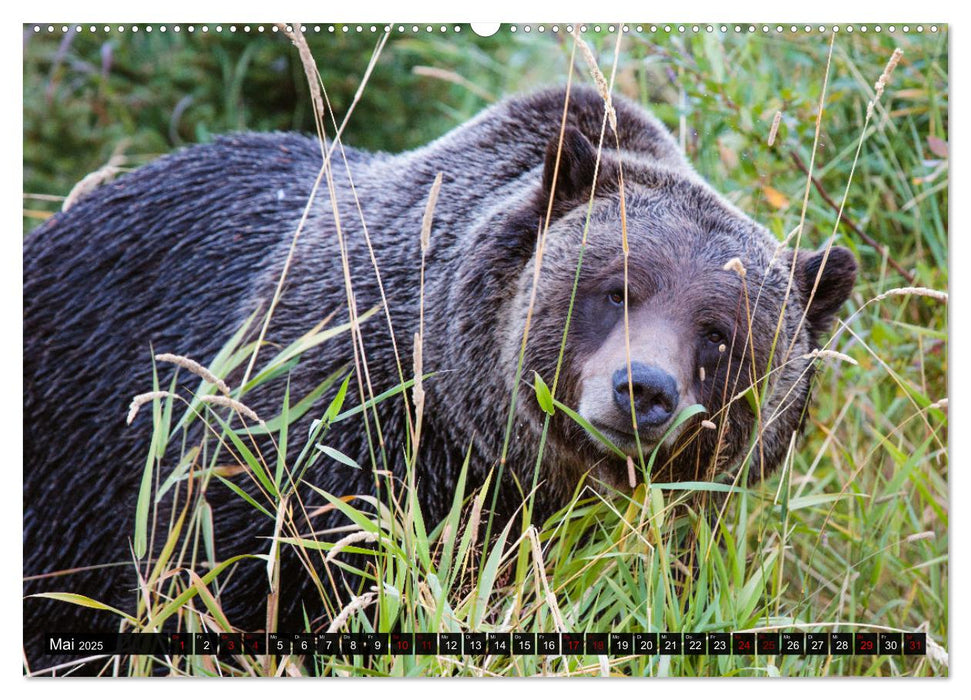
(412,349)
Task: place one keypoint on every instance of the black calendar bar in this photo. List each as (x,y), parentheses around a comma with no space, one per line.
(767,643)
(694,643)
(402,644)
(494,643)
(426,644)
(524,644)
(792,644)
(817,644)
(841,643)
(719,644)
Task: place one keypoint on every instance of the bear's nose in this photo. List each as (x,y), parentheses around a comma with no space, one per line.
(655,394)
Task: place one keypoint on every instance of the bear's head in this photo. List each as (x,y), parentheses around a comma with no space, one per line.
(705,307)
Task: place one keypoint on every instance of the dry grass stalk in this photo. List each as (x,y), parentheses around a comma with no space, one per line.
(309,66)
(475,520)
(598,78)
(227,470)
(915,291)
(195,368)
(272,565)
(554,607)
(418,390)
(89,183)
(935,652)
(105,173)
(291,669)
(794,233)
(451,76)
(631,474)
(774,129)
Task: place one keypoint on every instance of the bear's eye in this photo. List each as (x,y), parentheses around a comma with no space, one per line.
(714,336)
(616,297)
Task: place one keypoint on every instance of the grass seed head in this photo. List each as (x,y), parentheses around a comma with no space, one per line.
(881,83)
(309,65)
(141,400)
(426,222)
(736,265)
(354,537)
(195,368)
(237,406)
(832,354)
(598,78)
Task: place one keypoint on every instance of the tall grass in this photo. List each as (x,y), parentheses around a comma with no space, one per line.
(850,535)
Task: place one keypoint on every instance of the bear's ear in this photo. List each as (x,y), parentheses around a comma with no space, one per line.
(578,160)
(836,272)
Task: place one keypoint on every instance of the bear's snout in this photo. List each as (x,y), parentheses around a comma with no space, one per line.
(654,391)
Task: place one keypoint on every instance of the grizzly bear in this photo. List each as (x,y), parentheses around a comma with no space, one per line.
(177,255)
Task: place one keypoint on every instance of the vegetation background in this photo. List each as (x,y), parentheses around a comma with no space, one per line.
(852,535)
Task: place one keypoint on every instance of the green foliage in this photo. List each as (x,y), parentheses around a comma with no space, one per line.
(88,96)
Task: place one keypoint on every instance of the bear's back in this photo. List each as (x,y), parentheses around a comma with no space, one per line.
(166,257)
